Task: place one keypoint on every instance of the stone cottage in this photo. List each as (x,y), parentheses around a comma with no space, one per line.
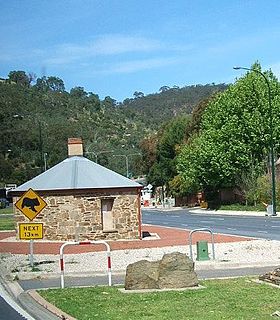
(85,201)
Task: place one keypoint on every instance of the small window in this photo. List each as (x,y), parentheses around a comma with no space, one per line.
(107,214)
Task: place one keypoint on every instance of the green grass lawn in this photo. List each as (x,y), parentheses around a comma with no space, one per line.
(221,299)
(8,210)
(7,223)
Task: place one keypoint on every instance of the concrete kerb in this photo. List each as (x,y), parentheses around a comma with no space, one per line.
(161,208)
(48,306)
(38,310)
(24,300)
(208,211)
(232,212)
(29,303)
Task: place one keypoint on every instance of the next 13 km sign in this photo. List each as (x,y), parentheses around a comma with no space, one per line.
(28,231)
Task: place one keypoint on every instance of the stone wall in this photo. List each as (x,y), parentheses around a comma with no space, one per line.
(79,217)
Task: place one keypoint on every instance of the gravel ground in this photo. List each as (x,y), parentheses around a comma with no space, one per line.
(237,254)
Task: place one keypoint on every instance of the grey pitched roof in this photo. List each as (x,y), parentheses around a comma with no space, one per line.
(77,173)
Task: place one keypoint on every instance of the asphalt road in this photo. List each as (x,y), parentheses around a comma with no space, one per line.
(7,312)
(250,226)
(10,308)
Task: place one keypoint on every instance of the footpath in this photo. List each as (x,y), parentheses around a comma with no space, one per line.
(86,265)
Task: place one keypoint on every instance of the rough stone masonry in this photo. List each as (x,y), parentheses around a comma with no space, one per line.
(78,217)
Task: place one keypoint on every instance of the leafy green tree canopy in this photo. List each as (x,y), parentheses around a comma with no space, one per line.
(19,77)
(50,84)
(234,129)
(171,136)
(78,92)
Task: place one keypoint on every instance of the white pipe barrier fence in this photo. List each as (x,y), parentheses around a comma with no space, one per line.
(85,243)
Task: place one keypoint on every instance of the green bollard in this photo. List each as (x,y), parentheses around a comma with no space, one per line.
(202,251)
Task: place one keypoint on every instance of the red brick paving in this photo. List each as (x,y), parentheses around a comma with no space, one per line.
(7,234)
(168,237)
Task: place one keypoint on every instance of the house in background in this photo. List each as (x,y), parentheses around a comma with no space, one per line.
(85,201)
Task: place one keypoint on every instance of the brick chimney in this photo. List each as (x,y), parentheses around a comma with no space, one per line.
(75,147)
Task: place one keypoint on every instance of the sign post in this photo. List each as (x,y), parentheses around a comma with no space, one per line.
(30,204)
(31,260)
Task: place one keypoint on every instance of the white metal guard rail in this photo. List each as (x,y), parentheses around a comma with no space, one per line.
(85,243)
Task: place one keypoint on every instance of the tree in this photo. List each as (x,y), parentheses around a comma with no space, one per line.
(6,168)
(19,77)
(109,102)
(138,94)
(195,123)
(78,92)
(50,84)
(171,136)
(94,101)
(164,89)
(248,183)
(234,128)
(127,101)
(148,148)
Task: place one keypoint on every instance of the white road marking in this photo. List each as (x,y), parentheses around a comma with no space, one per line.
(175,216)
(206,221)
(222,219)
(233,229)
(275,226)
(260,231)
(184,224)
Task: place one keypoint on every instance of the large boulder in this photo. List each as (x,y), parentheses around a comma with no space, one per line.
(174,270)
(142,275)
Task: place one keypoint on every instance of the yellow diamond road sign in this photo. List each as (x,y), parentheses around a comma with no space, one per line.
(29,231)
(30,204)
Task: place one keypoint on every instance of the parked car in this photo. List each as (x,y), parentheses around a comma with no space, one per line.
(4,203)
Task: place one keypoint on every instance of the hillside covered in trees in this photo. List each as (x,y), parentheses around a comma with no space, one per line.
(158,108)
(38,115)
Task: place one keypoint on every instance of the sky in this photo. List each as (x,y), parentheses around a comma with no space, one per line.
(116,47)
